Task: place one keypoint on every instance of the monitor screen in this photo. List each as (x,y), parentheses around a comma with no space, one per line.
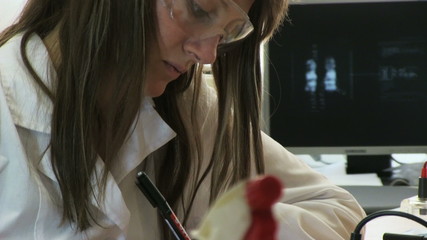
(350,78)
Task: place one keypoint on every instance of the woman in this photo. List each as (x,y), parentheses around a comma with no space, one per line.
(94,91)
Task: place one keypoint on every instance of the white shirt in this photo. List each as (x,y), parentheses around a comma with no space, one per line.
(312,207)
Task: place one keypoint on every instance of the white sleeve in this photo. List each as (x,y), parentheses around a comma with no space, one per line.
(312,207)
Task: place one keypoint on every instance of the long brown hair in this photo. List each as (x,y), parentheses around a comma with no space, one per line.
(96,35)
(238,82)
(238,79)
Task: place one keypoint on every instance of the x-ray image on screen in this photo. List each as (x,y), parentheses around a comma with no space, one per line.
(350,74)
(329,80)
(311,76)
(321,76)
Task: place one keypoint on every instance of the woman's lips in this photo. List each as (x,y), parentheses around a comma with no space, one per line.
(177,68)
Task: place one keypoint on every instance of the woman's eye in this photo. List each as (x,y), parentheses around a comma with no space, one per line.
(197,11)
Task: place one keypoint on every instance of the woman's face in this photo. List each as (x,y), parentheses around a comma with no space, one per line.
(189,31)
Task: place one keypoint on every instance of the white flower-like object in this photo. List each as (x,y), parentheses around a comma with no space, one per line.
(243,213)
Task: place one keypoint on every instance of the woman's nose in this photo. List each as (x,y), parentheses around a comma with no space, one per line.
(202,50)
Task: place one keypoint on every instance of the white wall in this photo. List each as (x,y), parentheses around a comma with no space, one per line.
(9,11)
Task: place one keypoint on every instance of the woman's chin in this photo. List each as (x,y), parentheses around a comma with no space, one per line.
(154,91)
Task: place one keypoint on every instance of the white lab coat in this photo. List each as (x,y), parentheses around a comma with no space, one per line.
(312,207)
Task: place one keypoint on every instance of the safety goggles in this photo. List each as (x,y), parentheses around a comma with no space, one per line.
(226,19)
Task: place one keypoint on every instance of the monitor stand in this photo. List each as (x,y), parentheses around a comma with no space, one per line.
(369,164)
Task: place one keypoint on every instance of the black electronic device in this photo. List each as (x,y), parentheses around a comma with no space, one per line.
(350,77)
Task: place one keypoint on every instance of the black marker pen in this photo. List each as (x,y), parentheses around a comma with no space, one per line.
(158,201)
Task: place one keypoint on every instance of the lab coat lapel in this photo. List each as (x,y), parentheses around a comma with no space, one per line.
(113,205)
(148,133)
(30,107)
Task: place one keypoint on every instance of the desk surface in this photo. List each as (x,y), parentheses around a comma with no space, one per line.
(376,228)
(375,198)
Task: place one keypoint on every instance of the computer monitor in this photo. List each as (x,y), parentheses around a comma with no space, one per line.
(350,77)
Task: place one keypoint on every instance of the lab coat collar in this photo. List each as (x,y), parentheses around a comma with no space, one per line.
(113,206)
(29,105)
(32,109)
(149,133)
